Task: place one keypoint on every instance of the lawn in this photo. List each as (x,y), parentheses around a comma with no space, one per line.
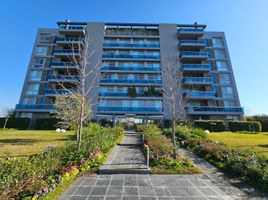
(256,142)
(26,142)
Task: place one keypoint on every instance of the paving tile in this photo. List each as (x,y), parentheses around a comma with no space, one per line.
(70,190)
(146,191)
(113,197)
(96,198)
(207,191)
(186,191)
(182,183)
(129,191)
(130,197)
(78,198)
(64,197)
(165,198)
(98,191)
(161,191)
(198,182)
(82,190)
(103,182)
(117,182)
(90,182)
(115,191)
(148,198)
(144,182)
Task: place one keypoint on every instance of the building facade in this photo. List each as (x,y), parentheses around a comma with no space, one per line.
(132,62)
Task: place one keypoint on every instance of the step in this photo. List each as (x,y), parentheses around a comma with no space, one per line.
(125,171)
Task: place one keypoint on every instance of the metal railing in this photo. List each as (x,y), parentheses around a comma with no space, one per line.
(131,68)
(130,81)
(144,109)
(118,44)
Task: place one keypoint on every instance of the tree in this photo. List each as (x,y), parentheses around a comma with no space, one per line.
(173,94)
(74,106)
(8,113)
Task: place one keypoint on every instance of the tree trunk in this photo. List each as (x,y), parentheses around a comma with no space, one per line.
(78,136)
(5,124)
(173,133)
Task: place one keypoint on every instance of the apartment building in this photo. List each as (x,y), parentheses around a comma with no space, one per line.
(132,61)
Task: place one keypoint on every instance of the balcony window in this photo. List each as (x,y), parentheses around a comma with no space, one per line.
(32,89)
(227,92)
(232,118)
(35,75)
(219,54)
(225,79)
(229,104)
(26,115)
(41,51)
(217,42)
(29,100)
(222,66)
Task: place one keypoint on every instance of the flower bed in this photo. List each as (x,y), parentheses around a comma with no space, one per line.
(38,175)
(164,158)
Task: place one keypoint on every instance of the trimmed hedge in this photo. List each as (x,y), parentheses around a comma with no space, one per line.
(46,124)
(211,125)
(17,123)
(168,123)
(263,119)
(250,126)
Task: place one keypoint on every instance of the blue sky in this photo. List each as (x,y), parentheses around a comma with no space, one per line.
(244,22)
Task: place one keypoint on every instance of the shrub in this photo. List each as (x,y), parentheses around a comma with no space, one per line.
(46,124)
(249,126)
(106,123)
(211,125)
(168,123)
(17,123)
(263,119)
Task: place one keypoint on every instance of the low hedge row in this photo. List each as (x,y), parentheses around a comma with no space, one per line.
(251,126)
(263,119)
(211,125)
(17,123)
(46,124)
(43,172)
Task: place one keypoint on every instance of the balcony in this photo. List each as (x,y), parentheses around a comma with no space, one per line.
(120,94)
(131,45)
(134,81)
(137,68)
(190,32)
(64,65)
(132,33)
(200,94)
(63,78)
(131,56)
(69,41)
(196,67)
(193,55)
(192,44)
(130,109)
(34,107)
(67,53)
(203,110)
(72,30)
(54,92)
(198,80)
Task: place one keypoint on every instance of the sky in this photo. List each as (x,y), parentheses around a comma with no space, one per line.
(245,23)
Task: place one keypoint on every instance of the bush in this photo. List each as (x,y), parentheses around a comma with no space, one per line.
(211,125)
(248,126)
(46,124)
(106,123)
(263,119)
(17,123)
(168,123)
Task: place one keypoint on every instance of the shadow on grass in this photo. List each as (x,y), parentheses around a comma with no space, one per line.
(263,145)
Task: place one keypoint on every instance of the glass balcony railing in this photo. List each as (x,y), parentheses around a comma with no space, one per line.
(198,80)
(72,27)
(138,109)
(131,68)
(131,81)
(68,39)
(57,91)
(200,94)
(64,77)
(117,44)
(119,94)
(132,56)
(193,42)
(67,51)
(131,32)
(214,109)
(190,30)
(63,64)
(193,54)
(34,106)
(196,67)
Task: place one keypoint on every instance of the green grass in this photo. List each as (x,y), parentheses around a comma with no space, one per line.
(256,142)
(27,142)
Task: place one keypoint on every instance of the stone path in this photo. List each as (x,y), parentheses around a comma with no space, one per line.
(126,157)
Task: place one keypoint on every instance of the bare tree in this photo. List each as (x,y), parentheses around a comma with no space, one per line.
(173,93)
(75,104)
(7,112)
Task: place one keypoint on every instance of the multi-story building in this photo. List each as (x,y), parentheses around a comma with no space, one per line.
(132,63)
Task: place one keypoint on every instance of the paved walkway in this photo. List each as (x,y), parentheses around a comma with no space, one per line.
(120,178)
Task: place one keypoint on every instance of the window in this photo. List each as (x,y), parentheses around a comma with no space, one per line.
(41,51)
(39,62)
(32,89)
(225,79)
(35,75)
(26,115)
(222,66)
(228,104)
(219,54)
(29,100)
(231,117)
(227,92)
(217,42)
